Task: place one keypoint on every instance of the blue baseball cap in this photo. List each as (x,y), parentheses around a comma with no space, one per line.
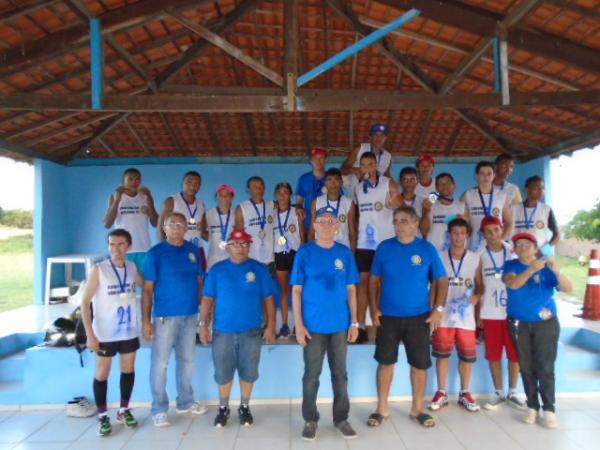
(325,210)
(379,128)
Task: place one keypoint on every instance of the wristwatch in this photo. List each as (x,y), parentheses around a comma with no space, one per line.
(439,308)
(355,324)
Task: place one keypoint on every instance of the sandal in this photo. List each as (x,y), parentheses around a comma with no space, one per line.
(375,419)
(424,419)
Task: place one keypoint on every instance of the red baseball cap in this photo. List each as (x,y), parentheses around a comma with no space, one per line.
(490,220)
(528,236)
(425,157)
(239,235)
(226,188)
(318,151)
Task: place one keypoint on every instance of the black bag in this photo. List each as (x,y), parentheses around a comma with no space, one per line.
(66,332)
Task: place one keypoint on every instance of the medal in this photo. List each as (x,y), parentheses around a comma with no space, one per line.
(222,245)
(261,219)
(528,220)
(123,295)
(281,240)
(262,234)
(497,270)
(223,228)
(433,197)
(122,283)
(456,272)
(192,221)
(192,213)
(497,275)
(486,209)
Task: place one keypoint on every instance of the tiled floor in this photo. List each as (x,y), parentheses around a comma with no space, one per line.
(278,427)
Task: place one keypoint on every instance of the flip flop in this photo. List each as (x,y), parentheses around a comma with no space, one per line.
(424,419)
(375,419)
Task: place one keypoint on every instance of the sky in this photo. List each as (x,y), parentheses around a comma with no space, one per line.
(583,168)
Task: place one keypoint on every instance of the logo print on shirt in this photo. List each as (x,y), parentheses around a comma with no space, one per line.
(378,206)
(496,212)
(539,225)
(270,219)
(468,282)
(192,257)
(250,277)
(416,260)
(144,209)
(292,228)
(339,264)
(342,218)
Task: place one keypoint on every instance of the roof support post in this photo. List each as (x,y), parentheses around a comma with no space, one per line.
(501,84)
(97,63)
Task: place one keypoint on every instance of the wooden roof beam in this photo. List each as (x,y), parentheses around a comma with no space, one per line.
(24,10)
(137,137)
(22,150)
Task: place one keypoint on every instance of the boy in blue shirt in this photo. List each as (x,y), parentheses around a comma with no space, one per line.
(324,295)
(237,288)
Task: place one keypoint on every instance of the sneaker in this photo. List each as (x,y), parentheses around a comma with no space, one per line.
(346,429)
(126,418)
(81,407)
(222,417)
(439,399)
(284,332)
(494,401)
(530,416)
(245,416)
(104,426)
(550,420)
(196,408)
(160,420)
(309,432)
(466,399)
(515,401)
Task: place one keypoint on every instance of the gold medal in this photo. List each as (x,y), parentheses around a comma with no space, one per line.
(281,240)
(123,295)
(222,245)
(497,275)
(192,221)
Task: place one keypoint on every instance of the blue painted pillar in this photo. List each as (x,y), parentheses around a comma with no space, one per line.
(97,63)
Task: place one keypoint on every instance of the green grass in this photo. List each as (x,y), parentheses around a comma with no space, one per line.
(578,276)
(16,272)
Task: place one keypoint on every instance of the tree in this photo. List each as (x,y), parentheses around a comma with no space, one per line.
(17,218)
(1,214)
(585,225)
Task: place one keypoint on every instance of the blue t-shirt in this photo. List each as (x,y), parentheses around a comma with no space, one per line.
(309,187)
(238,291)
(526,302)
(175,271)
(324,274)
(406,270)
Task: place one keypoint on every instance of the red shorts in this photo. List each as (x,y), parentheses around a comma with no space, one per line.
(496,337)
(444,340)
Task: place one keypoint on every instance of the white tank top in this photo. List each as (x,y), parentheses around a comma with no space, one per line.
(438,232)
(343,206)
(459,312)
(417,204)
(477,212)
(493,303)
(261,248)
(194,214)
(384,160)
(375,220)
(511,190)
(536,221)
(215,234)
(424,191)
(132,215)
(291,232)
(115,315)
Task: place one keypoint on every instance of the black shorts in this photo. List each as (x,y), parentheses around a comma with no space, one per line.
(364,259)
(284,261)
(413,332)
(110,349)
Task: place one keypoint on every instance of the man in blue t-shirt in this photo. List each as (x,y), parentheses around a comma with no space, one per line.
(531,310)
(406,273)
(311,185)
(172,287)
(237,288)
(323,282)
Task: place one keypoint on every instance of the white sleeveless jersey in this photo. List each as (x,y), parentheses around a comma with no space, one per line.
(511,190)
(438,232)
(384,160)
(215,235)
(193,233)
(375,220)
(476,213)
(115,318)
(291,232)
(343,205)
(132,215)
(493,302)
(535,222)
(424,191)
(459,312)
(417,204)
(261,248)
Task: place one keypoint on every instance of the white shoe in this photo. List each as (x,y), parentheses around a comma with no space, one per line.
(530,416)
(513,400)
(196,408)
(494,401)
(550,420)
(160,420)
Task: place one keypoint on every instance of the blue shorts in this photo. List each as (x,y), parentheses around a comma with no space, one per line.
(239,351)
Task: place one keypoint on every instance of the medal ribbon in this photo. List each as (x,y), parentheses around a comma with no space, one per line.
(496,269)
(122,283)
(284,227)
(337,207)
(486,209)
(529,220)
(462,259)
(192,213)
(223,228)
(367,184)
(262,218)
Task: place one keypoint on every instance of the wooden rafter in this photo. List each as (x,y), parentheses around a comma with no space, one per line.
(137,137)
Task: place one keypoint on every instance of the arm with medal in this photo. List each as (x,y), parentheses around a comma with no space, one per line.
(152,214)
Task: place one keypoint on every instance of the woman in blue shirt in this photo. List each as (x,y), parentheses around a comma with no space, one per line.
(531,311)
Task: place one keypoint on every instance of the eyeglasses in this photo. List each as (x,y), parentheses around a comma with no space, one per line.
(403,221)
(240,244)
(177,225)
(326,221)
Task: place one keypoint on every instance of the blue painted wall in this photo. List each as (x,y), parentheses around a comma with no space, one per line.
(71,201)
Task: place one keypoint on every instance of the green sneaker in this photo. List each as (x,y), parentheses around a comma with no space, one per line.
(126,418)
(104,426)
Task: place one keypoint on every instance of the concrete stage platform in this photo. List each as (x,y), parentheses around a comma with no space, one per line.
(31,375)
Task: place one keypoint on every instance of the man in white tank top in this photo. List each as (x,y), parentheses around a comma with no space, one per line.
(256,216)
(535,217)
(110,292)
(377,196)
(131,207)
(351,166)
(504,165)
(220,221)
(483,201)
(458,323)
(408,184)
(186,202)
(438,214)
(343,205)
(492,314)
(425,167)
